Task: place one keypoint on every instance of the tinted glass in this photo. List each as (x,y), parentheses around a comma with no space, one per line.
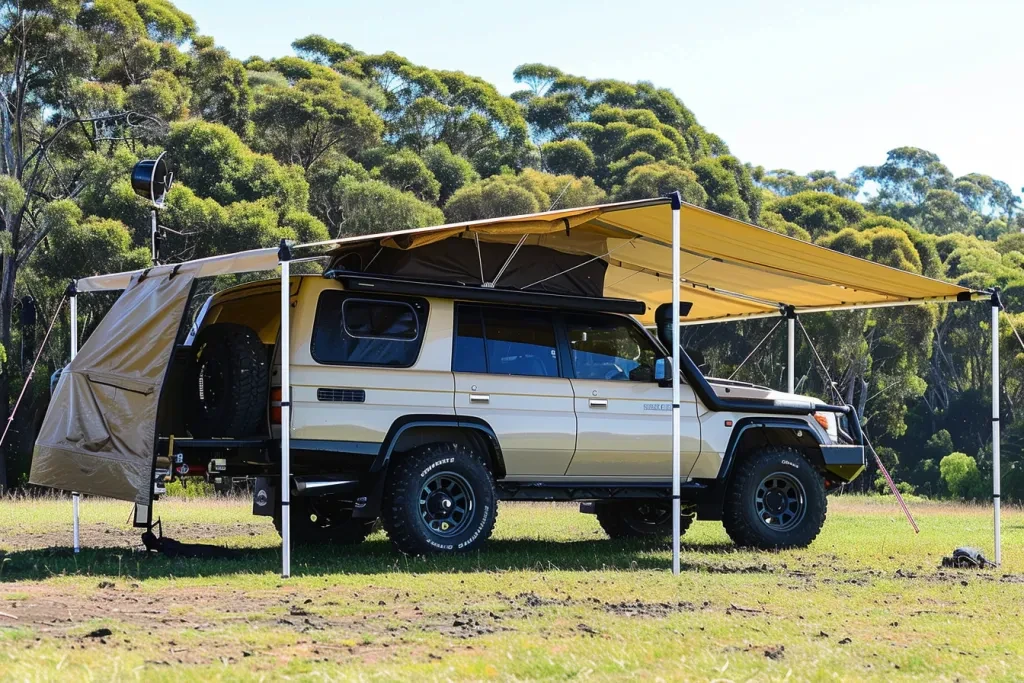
(359,331)
(468,354)
(519,343)
(504,342)
(610,347)
(379,319)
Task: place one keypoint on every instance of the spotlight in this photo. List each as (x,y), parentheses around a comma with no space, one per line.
(151,180)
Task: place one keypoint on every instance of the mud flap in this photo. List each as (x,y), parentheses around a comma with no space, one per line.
(264,497)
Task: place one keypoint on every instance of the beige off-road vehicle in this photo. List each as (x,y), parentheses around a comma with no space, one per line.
(422,405)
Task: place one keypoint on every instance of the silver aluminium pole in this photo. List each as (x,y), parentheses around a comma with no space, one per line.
(284,255)
(791,351)
(995,422)
(73,295)
(676,508)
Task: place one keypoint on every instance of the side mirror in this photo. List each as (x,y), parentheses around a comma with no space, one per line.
(663,321)
(663,372)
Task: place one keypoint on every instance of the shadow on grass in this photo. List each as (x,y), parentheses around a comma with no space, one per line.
(373,557)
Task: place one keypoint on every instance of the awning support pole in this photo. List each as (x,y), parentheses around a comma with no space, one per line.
(676,466)
(73,296)
(791,350)
(284,255)
(995,423)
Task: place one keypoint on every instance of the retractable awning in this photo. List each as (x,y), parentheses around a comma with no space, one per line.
(730,269)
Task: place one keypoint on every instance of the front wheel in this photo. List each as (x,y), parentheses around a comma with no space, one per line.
(439,499)
(776,499)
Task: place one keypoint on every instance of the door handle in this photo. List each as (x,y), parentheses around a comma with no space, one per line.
(479,398)
(598,403)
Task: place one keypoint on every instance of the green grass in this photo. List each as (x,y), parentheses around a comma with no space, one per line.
(550,597)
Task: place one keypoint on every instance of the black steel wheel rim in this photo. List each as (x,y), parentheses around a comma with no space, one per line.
(780,501)
(648,517)
(446,504)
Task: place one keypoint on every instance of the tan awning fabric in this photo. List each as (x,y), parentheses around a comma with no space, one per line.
(99,433)
(226,264)
(730,269)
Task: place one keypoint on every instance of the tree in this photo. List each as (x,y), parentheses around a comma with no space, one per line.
(571,157)
(817,212)
(959,472)
(220,87)
(490,198)
(369,206)
(300,124)
(69,74)
(658,179)
(407,171)
(451,170)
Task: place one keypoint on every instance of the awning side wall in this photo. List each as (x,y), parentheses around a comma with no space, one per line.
(98,436)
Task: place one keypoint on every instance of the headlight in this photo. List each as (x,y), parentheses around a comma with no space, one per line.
(825,420)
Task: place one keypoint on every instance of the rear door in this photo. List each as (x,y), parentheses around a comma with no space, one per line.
(624,416)
(506,368)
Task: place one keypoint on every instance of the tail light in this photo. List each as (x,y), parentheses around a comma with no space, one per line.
(275,405)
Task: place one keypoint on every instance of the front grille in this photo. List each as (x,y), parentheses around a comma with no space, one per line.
(341,395)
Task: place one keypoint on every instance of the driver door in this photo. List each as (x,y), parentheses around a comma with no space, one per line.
(624,419)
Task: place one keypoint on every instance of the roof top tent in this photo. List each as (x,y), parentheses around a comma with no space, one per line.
(99,435)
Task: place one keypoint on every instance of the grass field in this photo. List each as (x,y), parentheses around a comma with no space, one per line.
(550,597)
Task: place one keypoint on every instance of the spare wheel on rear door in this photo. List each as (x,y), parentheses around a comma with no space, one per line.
(228,383)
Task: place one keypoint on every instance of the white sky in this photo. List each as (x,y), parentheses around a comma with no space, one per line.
(797,84)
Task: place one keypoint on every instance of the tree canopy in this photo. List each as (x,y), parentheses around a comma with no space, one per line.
(334,141)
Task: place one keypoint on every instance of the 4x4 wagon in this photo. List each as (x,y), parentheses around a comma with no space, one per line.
(423,406)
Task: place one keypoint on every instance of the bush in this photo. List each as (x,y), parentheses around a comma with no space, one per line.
(190,488)
(960,473)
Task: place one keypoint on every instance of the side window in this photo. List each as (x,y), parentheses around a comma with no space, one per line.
(609,347)
(500,342)
(469,354)
(352,330)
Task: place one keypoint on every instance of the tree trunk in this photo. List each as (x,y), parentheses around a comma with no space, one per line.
(10,270)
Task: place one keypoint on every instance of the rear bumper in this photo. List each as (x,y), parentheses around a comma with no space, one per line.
(843,461)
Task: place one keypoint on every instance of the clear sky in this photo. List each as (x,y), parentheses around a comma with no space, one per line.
(799,84)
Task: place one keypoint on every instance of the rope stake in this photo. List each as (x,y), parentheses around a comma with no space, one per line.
(878,460)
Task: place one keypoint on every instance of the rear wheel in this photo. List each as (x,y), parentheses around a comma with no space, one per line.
(228,383)
(324,520)
(776,499)
(439,499)
(640,519)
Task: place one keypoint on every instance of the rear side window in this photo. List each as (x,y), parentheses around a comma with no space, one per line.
(504,342)
(356,330)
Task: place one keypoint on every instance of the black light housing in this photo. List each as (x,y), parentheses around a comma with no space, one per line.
(151,180)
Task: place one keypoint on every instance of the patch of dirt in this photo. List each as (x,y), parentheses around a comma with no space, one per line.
(639,608)
(102,535)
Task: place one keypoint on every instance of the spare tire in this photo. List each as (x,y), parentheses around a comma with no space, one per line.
(227,384)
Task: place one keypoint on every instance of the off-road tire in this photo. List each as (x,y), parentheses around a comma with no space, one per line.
(228,383)
(628,519)
(406,503)
(743,510)
(323,521)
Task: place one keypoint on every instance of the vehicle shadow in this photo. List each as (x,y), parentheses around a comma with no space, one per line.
(376,556)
